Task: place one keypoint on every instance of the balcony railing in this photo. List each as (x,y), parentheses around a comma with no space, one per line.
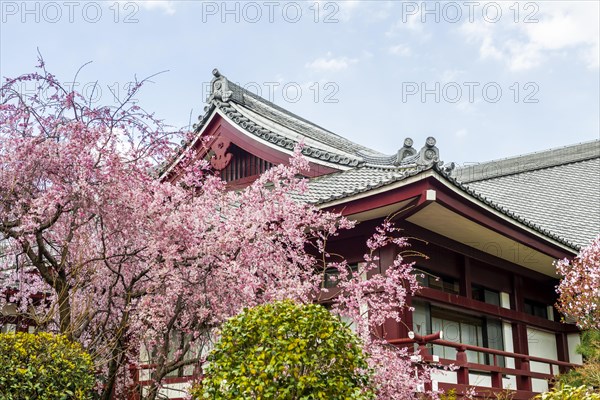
(522,370)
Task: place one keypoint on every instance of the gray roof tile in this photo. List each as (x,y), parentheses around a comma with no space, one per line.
(555,192)
(324,145)
(562,196)
(348,183)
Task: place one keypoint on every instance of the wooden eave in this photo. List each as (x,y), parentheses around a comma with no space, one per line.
(219,126)
(430,201)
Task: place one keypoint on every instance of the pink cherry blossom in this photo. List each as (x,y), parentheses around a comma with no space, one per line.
(579,288)
(144,271)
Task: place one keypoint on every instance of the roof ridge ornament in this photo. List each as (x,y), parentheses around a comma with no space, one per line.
(219,88)
(429,154)
(426,157)
(406,151)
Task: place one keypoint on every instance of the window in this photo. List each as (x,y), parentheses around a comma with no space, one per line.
(459,328)
(243,165)
(486,295)
(536,309)
(439,282)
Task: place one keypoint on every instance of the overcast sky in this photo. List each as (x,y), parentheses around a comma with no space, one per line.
(487,79)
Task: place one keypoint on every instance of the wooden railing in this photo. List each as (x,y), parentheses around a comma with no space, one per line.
(141,378)
(522,370)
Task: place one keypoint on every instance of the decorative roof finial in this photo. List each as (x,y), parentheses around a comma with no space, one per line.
(219,88)
(429,154)
(406,151)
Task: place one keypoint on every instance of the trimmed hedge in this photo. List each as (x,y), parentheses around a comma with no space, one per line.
(566,392)
(43,366)
(286,351)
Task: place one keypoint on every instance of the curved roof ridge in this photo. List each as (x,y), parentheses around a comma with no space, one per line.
(222,89)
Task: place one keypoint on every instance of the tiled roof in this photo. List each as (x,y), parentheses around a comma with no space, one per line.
(341,185)
(557,190)
(267,121)
(554,192)
(344,184)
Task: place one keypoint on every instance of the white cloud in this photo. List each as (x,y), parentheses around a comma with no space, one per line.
(346,9)
(560,27)
(400,50)
(331,64)
(411,23)
(167,6)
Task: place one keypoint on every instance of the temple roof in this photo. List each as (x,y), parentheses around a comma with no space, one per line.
(557,189)
(554,192)
(280,128)
(346,184)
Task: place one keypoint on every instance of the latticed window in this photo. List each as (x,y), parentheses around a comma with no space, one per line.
(243,165)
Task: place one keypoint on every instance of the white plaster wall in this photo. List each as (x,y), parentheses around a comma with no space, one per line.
(541,344)
(443,376)
(573,340)
(510,381)
(508,343)
(480,380)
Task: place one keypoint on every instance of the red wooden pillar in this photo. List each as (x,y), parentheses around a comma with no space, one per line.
(497,380)
(562,346)
(524,381)
(462,375)
(425,356)
(134,393)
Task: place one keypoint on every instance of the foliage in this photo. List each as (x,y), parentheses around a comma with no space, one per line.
(579,289)
(590,345)
(448,395)
(118,260)
(589,373)
(45,367)
(566,392)
(286,351)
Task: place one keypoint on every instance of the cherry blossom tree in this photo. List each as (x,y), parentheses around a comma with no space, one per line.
(141,270)
(579,288)
(74,185)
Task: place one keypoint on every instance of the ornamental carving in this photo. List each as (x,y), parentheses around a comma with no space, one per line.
(220,158)
(405,152)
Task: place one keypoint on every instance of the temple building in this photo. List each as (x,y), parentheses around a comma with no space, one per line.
(492,232)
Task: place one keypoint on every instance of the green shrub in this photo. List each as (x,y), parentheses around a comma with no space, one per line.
(43,367)
(449,395)
(286,351)
(566,392)
(589,373)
